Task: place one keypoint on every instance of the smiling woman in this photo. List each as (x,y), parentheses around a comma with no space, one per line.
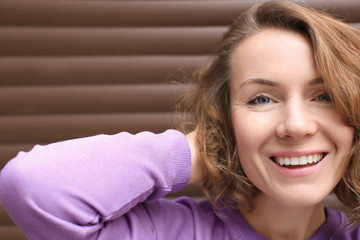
(281,99)
(273,128)
(281,125)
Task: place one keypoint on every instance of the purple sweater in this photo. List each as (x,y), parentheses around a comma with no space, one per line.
(111,187)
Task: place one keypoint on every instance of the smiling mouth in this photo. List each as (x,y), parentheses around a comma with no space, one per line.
(299,161)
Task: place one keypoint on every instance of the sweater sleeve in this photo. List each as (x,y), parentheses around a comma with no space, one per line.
(71,189)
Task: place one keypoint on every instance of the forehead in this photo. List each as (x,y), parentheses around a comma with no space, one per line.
(273,54)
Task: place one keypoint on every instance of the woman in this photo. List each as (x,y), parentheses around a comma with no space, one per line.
(274,129)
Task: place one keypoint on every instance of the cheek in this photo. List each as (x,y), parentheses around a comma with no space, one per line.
(339,133)
(249,139)
(244,133)
(251,130)
(343,140)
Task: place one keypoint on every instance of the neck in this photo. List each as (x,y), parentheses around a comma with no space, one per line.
(276,221)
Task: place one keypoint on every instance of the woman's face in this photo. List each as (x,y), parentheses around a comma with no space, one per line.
(292,143)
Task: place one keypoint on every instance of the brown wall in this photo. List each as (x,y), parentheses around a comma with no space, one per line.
(78,68)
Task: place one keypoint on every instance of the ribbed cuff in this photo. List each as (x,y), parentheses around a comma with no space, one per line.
(180,157)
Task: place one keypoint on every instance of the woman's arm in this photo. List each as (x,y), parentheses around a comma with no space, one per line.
(69,190)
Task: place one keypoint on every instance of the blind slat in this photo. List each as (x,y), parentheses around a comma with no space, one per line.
(69,70)
(89,99)
(153,13)
(108,41)
(120,13)
(53,128)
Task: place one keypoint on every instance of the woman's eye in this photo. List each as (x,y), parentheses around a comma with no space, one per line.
(259,100)
(324,97)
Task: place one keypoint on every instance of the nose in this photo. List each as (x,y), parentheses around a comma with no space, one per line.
(296,121)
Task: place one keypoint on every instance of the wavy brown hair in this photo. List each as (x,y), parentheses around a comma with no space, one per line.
(336,47)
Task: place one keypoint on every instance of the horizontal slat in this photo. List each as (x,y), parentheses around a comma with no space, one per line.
(120,13)
(142,13)
(34,129)
(25,41)
(95,70)
(90,99)
(108,41)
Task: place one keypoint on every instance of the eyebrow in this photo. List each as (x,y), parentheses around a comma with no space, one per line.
(316,81)
(271,83)
(260,81)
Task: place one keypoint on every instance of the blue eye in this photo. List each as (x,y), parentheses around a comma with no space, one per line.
(259,100)
(324,97)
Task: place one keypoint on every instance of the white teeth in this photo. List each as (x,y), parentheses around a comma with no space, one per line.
(301,160)
(281,161)
(310,159)
(294,161)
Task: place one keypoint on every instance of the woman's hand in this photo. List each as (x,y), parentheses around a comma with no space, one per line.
(197,172)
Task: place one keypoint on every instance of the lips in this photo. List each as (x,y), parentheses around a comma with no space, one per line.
(298,161)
